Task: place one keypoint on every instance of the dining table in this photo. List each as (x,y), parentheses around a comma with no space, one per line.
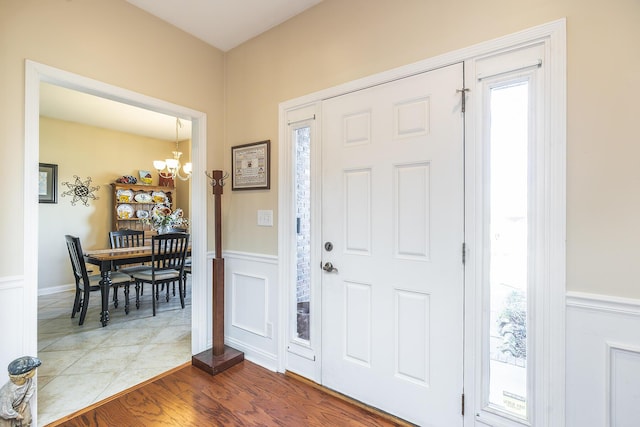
(108,260)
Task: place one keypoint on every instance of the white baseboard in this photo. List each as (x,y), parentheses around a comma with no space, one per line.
(56,289)
(254,354)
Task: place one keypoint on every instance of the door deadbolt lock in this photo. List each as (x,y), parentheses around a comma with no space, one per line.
(328,246)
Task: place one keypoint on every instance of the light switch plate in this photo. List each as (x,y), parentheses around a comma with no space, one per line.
(265,218)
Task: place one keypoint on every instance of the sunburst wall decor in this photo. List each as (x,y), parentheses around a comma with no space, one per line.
(81,190)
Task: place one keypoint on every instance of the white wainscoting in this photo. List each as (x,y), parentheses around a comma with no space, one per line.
(251,306)
(12,339)
(603,361)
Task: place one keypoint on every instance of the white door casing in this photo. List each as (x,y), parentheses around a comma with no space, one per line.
(392,207)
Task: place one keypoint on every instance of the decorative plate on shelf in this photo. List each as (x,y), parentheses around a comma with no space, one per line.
(160,210)
(125,211)
(142,198)
(159,197)
(142,214)
(124,196)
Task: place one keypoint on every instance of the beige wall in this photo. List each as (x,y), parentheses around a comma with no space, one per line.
(110,41)
(338,41)
(342,40)
(114,42)
(85,151)
(183,199)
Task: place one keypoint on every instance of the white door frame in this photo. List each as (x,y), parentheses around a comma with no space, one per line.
(36,73)
(552,335)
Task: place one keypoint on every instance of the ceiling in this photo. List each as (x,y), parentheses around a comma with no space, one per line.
(70,105)
(223,24)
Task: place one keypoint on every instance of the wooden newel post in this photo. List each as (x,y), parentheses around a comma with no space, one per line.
(220,356)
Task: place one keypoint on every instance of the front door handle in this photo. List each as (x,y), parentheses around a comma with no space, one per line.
(329,268)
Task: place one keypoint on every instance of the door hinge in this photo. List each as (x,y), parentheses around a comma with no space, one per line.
(462,403)
(464,252)
(464,91)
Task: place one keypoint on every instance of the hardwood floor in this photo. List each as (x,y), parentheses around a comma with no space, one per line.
(244,395)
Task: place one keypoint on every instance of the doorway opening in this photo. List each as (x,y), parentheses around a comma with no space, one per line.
(37,73)
(86,135)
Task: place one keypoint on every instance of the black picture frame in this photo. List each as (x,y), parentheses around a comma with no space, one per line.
(251,165)
(48,183)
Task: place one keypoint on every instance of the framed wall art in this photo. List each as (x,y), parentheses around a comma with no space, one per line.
(48,183)
(251,166)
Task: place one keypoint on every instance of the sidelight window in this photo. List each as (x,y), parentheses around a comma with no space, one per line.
(508,237)
(301,137)
(517,235)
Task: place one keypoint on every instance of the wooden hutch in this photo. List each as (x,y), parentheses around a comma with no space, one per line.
(133,202)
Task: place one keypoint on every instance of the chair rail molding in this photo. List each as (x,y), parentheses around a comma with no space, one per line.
(253,257)
(11,282)
(601,302)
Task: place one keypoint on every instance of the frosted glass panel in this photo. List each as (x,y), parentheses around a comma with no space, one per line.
(302,138)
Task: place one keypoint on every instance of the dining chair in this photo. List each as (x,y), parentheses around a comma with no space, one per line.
(85,283)
(168,252)
(127,239)
(185,271)
(187,263)
(187,260)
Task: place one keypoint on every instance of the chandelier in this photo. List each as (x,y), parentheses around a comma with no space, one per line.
(170,168)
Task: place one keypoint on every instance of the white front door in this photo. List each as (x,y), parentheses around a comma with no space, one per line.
(392,307)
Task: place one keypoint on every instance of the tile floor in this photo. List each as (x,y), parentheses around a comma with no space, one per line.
(84,364)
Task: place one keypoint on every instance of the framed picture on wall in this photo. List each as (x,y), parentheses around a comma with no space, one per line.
(48,183)
(251,166)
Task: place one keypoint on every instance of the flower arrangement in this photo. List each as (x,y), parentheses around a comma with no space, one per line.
(162,218)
